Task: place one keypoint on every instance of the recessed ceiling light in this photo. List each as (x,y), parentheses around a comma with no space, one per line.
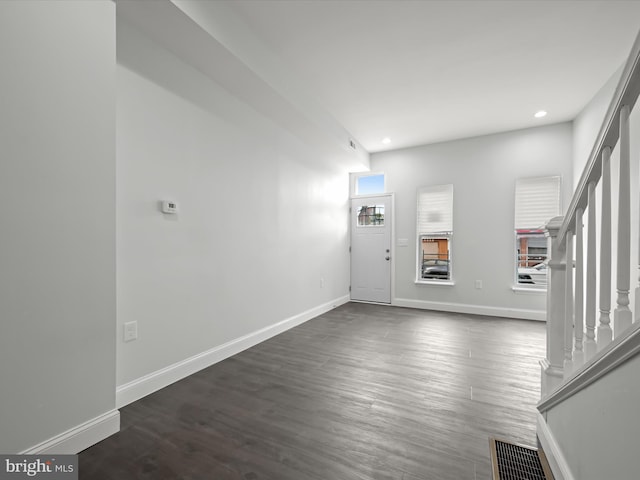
(386,140)
(540,114)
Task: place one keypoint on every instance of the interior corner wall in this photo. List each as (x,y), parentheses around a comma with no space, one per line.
(587,124)
(57,188)
(483,171)
(262,229)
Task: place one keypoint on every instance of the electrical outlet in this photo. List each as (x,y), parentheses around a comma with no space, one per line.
(478,284)
(130,331)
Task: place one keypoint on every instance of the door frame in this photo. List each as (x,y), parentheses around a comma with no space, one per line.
(392,269)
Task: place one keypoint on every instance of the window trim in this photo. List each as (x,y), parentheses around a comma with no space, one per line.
(422,232)
(523,288)
(528,290)
(518,287)
(432,281)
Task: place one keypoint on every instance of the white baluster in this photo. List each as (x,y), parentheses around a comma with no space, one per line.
(622,317)
(568,307)
(552,366)
(605,334)
(590,346)
(578,328)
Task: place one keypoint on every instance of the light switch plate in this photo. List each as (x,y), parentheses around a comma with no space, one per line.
(130,331)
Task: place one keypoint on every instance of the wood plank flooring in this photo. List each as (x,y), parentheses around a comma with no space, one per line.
(364,392)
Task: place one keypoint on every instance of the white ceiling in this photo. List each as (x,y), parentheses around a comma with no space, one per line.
(427,71)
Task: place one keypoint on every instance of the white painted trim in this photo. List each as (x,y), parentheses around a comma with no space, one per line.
(143,386)
(612,356)
(392,236)
(372,303)
(528,291)
(445,283)
(392,271)
(557,462)
(473,309)
(80,437)
(372,195)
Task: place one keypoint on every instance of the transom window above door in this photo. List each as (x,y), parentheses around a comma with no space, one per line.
(370,184)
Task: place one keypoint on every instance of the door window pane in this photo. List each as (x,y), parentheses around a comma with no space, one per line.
(371,215)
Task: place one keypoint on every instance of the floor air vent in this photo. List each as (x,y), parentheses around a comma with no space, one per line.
(515,462)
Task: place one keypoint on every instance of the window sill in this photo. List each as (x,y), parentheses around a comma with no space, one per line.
(529,291)
(446,283)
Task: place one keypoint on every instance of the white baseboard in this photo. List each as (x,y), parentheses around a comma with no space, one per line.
(80,437)
(557,462)
(143,386)
(521,313)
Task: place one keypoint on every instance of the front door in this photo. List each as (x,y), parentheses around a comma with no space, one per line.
(371,248)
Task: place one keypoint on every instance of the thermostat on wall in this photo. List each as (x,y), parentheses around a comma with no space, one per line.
(169,207)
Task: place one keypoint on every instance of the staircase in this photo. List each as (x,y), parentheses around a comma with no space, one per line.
(589,415)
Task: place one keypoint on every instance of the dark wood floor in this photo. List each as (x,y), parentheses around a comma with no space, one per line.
(361,392)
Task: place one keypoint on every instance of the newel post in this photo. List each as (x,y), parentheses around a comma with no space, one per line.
(552,365)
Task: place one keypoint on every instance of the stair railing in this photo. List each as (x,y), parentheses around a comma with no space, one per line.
(574,338)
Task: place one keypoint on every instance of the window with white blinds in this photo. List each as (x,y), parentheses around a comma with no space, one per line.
(537,201)
(435,209)
(434,226)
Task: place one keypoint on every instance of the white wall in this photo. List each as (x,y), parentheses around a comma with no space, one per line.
(587,124)
(597,427)
(57,188)
(483,171)
(263,214)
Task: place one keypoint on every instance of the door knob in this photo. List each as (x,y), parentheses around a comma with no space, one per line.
(387,258)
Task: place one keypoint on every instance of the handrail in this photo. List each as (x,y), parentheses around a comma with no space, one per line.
(614,355)
(626,93)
